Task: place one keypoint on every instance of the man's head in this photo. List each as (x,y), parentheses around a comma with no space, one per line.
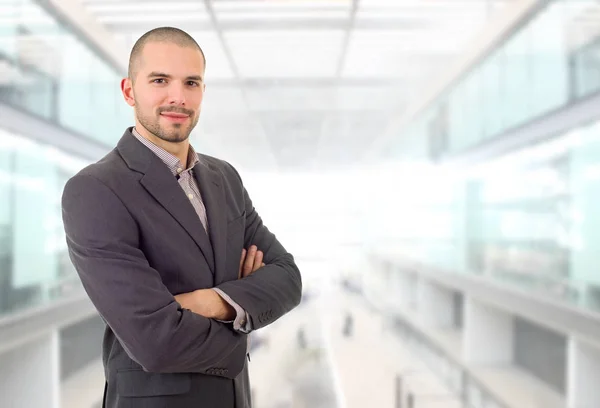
(165,83)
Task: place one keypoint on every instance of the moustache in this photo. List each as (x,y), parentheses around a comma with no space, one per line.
(176,110)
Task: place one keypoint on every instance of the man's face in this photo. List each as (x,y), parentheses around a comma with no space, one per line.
(168,90)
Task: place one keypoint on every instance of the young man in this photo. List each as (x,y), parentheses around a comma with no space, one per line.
(156,231)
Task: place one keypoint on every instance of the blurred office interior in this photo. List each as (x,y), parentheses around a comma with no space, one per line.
(431,164)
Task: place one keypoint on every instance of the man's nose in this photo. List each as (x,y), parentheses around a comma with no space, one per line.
(176,94)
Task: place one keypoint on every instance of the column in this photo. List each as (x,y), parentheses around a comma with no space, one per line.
(30,374)
(583,374)
(488,334)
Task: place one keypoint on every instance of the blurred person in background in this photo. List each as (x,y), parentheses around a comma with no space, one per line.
(155,231)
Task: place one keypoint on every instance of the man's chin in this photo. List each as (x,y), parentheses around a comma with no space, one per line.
(174,137)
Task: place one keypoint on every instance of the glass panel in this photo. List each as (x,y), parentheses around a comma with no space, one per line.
(517,79)
(522,220)
(552,59)
(34,266)
(473,133)
(457,118)
(584,168)
(549,62)
(582,32)
(75,91)
(8,30)
(48,71)
(492,94)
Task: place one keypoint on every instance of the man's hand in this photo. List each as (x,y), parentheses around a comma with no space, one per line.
(250,261)
(208,303)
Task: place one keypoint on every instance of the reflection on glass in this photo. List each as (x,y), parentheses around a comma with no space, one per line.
(549,62)
(529,219)
(34,265)
(47,71)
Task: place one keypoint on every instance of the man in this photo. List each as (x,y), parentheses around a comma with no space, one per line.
(156,232)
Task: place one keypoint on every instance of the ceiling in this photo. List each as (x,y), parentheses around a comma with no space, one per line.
(305,85)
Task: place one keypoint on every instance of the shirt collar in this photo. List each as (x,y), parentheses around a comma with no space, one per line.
(172,162)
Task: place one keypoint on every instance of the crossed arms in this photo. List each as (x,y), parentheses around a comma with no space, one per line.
(153,328)
(210,303)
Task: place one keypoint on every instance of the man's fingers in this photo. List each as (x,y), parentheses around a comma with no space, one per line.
(249,263)
(242,262)
(258,260)
(251,260)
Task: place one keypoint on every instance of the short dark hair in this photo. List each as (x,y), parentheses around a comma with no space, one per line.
(160,34)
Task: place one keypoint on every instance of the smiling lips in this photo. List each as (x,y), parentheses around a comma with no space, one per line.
(175,117)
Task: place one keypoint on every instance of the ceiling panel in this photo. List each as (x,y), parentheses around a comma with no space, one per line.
(316,83)
(282,15)
(236,136)
(397,54)
(346,135)
(293,137)
(152,6)
(281,53)
(291,98)
(217,63)
(131,14)
(382,98)
(279,5)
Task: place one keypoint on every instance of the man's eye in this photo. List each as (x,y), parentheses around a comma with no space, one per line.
(158,79)
(193,83)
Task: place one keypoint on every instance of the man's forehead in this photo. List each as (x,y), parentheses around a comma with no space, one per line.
(153,47)
(176,61)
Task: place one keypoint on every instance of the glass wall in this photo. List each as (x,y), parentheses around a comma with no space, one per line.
(549,62)
(49,72)
(528,219)
(34,264)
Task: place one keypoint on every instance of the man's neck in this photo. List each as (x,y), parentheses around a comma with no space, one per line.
(179,150)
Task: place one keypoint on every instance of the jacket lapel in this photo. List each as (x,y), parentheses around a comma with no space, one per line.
(161,184)
(213,195)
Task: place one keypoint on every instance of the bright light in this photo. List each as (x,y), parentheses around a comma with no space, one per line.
(232,5)
(284,15)
(156,17)
(145,7)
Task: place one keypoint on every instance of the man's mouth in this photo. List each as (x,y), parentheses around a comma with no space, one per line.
(176,117)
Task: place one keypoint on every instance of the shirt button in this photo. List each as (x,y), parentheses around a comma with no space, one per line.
(190,196)
(242,322)
(179,170)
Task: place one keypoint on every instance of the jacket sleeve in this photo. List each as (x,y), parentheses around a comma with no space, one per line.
(273,290)
(103,243)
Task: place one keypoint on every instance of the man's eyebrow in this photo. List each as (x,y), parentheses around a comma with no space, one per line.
(158,74)
(163,75)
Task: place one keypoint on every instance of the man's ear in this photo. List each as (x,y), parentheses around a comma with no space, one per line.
(127,89)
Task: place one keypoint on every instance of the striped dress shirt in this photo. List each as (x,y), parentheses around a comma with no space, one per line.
(185,178)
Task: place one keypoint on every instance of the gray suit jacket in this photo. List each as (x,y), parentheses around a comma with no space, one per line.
(136,241)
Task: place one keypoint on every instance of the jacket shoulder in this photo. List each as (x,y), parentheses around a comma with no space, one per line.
(225,168)
(108,168)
